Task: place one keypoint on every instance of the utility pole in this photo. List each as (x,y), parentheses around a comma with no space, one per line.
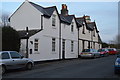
(27,42)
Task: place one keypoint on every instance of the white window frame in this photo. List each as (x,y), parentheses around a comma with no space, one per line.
(36,44)
(72,46)
(54,20)
(53,44)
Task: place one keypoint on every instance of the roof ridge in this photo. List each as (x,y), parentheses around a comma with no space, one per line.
(49,7)
(79,17)
(43,9)
(35,4)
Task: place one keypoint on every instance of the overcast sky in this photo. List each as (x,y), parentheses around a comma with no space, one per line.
(105,14)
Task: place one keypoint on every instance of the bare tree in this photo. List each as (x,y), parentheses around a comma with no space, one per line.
(117,41)
(4,19)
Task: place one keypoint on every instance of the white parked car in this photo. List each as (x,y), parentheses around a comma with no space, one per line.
(90,53)
(14,60)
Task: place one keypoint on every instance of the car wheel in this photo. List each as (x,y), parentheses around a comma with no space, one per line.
(107,54)
(3,69)
(29,66)
(99,56)
(115,71)
(94,56)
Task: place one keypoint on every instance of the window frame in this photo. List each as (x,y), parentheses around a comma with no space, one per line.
(36,44)
(72,46)
(54,20)
(53,44)
(83,31)
(88,44)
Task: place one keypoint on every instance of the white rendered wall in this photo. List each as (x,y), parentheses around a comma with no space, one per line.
(69,36)
(26,16)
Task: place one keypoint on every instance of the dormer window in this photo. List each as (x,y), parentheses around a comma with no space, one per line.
(53,20)
(72,27)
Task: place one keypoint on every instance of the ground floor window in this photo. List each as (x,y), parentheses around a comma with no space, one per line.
(72,46)
(94,45)
(53,44)
(83,44)
(36,45)
(88,44)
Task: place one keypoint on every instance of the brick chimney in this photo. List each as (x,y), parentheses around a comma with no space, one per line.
(87,18)
(64,10)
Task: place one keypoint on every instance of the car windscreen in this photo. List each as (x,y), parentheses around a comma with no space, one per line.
(86,50)
(110,50)
(101,50)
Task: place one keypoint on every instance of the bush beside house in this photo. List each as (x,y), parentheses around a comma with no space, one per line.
(10,39)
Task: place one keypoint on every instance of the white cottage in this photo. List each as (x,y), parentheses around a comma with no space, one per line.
(88,34)
(48,36)
(69,34)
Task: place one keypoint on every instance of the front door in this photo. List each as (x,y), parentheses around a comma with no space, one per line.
(63,49)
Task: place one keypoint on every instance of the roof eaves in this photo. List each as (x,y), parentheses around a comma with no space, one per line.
(22,33)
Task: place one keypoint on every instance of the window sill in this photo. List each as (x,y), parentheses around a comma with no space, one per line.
(53,27)
(36,52)
(72,52)
(53,52)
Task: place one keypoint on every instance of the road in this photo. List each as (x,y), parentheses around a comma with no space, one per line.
(75,68)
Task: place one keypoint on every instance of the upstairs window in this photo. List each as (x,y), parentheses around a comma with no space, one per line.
(53,44)
(36,45)
(83,29)
(53,20)
(72,27)
(94,32)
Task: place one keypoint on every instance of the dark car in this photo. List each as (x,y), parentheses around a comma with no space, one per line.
(103,52)
(117,65)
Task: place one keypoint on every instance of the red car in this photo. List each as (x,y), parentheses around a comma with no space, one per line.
(112,51)
(103,52)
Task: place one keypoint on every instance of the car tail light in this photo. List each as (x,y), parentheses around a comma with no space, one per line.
(81,53)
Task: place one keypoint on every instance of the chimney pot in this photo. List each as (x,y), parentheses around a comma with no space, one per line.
(64,10)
